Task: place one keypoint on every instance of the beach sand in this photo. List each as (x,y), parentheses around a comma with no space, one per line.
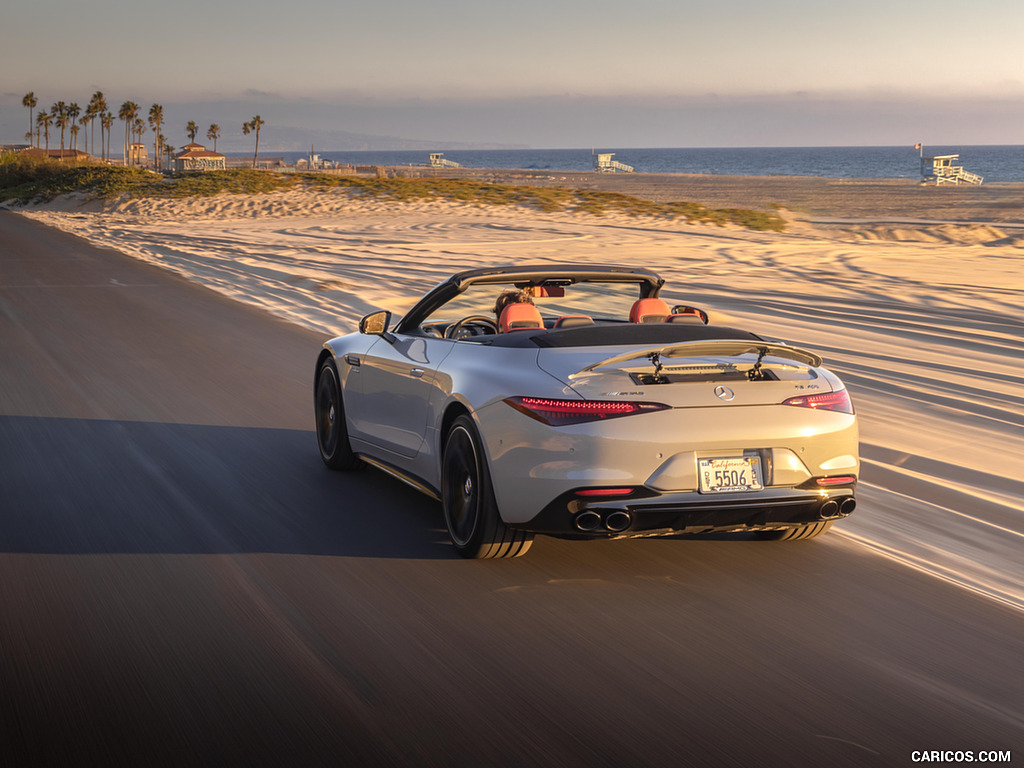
(922,319)
(814,197)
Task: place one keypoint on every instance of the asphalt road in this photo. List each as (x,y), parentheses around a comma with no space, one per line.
(183,583)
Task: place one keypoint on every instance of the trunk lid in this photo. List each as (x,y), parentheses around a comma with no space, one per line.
(690,375)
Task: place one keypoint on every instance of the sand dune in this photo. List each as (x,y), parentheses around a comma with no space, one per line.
(923,321)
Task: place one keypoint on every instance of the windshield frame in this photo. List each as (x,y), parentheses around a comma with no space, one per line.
(648,284)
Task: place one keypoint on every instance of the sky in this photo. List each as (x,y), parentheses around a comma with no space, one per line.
(537,73)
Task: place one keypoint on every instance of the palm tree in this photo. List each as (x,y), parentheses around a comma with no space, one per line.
(87,118)
(75,128)
(97,106)
(156,116)
(44,119)
(128,112)
(125,114)
(168,152)
(140,128)
(192,130)
(106,124)
(136,125)
(29,100)
(254,125)
(73,112)
(59,112)
(213,133)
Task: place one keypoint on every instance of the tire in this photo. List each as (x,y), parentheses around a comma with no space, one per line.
(329,411)
(809,531)
(470,511)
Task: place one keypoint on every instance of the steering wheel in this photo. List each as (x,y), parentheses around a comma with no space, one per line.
(452,332)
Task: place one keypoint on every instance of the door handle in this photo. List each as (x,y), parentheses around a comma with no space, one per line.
(417,372)
(352,360)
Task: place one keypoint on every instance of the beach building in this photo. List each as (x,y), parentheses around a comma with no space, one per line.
(437,161)
(57,154)
(313,162)
(603,163)
(196,157)
(138,154)
(942,169)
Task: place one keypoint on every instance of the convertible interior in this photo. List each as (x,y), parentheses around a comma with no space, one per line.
(649,320)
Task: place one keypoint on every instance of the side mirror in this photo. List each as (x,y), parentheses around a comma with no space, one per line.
(376,324)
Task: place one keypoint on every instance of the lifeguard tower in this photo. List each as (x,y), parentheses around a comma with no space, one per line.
(437,161)
(603,163)
(942,169)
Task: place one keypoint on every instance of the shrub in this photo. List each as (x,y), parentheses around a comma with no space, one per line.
(27,178)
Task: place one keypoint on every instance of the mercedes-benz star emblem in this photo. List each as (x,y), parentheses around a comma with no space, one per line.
(724,393)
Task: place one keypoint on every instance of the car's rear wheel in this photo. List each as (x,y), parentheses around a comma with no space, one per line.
(470,511)
(331,432)
(809,531)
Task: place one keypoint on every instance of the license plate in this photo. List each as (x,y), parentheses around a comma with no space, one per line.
(729,475)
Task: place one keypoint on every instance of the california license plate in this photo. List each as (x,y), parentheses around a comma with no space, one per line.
(730,475)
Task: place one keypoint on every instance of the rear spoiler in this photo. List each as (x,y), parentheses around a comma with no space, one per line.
(723,348)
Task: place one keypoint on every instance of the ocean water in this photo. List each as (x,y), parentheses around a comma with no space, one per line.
(994,163)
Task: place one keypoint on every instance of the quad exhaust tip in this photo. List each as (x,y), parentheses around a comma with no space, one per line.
(615,521)
(828,509)
(832,508)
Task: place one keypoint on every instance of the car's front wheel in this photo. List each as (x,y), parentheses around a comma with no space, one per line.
(329,411)
(809,531)
(470,511)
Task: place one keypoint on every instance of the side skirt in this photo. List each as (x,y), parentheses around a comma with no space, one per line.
(408,479)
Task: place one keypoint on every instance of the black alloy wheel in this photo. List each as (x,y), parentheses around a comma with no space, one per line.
(470,511)
(331,432)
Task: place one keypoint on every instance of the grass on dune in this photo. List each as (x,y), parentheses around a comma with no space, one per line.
(25,180)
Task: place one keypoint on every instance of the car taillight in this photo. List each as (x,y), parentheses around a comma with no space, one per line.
(830,401)
(605,492)
(828,482)
(558,413)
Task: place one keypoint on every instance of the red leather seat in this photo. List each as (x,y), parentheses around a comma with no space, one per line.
(649,311)
(518,317)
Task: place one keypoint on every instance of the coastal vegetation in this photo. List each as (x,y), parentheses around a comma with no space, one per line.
(32,179)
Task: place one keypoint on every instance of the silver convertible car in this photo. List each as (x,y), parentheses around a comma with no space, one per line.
(574,402)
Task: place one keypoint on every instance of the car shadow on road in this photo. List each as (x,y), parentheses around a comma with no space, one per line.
(87,486)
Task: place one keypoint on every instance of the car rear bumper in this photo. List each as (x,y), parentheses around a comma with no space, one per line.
(539,467)
(647,512)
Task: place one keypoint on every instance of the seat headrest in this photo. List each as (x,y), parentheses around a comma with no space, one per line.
(573,321)
(516,317)
(649,311)
(685,317)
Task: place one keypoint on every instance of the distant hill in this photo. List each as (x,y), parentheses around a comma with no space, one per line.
(284,138)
